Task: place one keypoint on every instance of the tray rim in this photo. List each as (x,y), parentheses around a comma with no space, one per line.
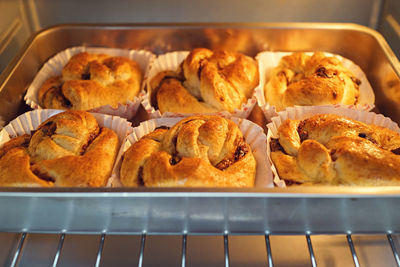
(300,192)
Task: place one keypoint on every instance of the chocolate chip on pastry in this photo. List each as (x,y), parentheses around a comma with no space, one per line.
(305,80)
(333,149)
(68,149)
(198,151)
(209,81)
(92,80)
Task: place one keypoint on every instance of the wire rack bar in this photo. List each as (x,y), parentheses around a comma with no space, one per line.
(60,245)
(98,259)
(184,239)
(394,250)
(142,243)
(226,249)
(18,250)
(311,251)
(269,252)
(353,251)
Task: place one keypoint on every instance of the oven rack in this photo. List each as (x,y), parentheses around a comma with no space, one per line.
(143,252)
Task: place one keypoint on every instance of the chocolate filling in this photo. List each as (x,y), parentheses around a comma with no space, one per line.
(175,141)
(290,182)
(85,76)
(241,150)
(140,177)
(356,81)
(201,66)
(362,135)
(92,137)
(188,121)
(275,145)
(162,127)
(303,134)
(322,72)
(174,160)
(43,176)
(332,154)
(396,151)
(365,136)
(49,128)
(66,103)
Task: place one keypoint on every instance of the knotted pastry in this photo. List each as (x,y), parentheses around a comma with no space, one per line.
(207,81)
(68,150)
(305,80)
(198,151)
(332,149)
(92,80)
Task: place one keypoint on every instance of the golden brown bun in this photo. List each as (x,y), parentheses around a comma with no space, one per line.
(333,149)
(198,151)
(210,81)
(68,149)
(310,80)
(92,80)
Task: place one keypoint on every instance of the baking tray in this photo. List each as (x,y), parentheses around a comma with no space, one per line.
(309,210)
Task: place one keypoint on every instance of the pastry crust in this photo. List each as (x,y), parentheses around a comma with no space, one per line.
(305,80)
(333,149)
(67,150)
(208,81)
(198,151)
(92,80)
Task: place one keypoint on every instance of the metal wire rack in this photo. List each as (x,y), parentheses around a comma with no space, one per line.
(268,259)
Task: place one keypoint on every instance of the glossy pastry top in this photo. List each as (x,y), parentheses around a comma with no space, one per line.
(92,80)
(207,81)
(305,80)
(198,151)
(332,149)
(68,149)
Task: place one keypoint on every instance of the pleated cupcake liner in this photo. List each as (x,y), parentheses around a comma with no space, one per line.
(30,121)
(253,134)
(268,60)
(302,112)
(55,65)
(171,61)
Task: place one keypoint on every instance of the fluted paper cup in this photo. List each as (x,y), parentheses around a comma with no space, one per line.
(30,121)
(302,112)
(253,134)
(172,61)
(268,60)
(55,65)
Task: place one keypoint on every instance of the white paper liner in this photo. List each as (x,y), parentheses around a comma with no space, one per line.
(302,112)
(29,121)
(54,66)
(269,60)
(171,61)
(253,134)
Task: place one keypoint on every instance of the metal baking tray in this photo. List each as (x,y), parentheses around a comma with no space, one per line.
(300,210)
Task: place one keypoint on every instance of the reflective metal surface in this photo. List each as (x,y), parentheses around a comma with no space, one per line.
(187,211)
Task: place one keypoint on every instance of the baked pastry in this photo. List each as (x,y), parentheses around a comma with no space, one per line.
(207,81)
(198,151)
(314,80)
(68,149)
(333,149)
(92,80)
